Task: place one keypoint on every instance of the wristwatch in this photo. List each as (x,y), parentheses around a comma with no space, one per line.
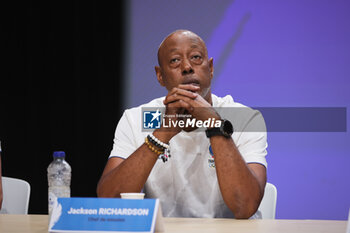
(226,129)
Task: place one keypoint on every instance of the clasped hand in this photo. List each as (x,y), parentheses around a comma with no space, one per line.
(183,100)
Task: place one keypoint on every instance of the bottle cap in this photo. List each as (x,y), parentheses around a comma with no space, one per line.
(59,154)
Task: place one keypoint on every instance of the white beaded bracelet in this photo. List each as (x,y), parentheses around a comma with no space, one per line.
(164,145)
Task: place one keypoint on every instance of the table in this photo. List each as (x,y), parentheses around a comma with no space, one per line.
(38,224)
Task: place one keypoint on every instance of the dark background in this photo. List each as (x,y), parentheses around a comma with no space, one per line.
(61,89)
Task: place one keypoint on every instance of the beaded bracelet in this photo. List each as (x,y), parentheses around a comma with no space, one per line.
(165,154)
(159,142)
(152,147)
(151,140)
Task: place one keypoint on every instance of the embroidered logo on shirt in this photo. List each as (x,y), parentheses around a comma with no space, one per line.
(152,119)
(211,161)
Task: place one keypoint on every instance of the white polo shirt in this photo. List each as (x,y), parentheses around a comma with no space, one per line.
(187,184)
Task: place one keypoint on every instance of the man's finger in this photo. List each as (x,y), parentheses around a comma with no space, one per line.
(189,87)
(173,95)
(180,104)
(177,97)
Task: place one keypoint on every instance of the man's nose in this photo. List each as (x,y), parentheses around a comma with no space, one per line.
(186,67)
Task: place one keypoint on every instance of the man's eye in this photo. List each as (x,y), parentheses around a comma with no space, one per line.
(174,60)
(196,57)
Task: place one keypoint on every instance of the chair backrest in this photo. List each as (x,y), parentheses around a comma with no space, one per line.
(16,194)
(268,204)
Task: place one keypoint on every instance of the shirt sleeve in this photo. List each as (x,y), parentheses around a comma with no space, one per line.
(252,143)
(124,142)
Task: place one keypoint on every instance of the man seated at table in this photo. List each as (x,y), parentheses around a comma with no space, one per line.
(211,173)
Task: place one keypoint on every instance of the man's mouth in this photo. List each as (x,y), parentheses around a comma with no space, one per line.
(193,82)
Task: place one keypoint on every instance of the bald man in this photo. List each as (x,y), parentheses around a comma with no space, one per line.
(212,172)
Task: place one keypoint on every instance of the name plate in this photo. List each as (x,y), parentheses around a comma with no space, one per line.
(104,215)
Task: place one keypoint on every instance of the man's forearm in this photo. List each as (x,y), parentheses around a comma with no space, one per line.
(239,187)
(130,175)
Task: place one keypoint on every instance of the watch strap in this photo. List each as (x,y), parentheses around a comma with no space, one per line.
(223,130)
(213,132)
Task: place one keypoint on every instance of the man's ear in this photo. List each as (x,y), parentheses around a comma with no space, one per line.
(211,67)
(159,75)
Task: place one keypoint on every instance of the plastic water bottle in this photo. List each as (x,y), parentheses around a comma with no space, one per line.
(59,176)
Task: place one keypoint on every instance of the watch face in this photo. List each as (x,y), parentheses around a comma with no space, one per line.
(227,128)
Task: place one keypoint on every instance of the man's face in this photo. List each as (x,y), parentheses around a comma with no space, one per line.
(183,60)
